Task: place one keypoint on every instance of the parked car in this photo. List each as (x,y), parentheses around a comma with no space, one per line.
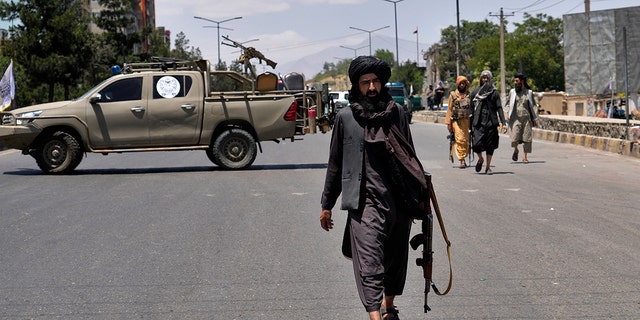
(399,93)
(340,98)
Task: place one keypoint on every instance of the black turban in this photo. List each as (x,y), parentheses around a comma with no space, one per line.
(520,76)
(367,64)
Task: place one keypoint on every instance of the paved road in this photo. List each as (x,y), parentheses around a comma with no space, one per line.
(169,236)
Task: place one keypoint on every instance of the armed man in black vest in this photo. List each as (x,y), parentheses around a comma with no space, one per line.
(372,163)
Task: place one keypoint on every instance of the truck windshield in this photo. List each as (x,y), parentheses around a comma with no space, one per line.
(396,92)
(92,90)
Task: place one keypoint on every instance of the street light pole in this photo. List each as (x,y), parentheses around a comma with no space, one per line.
(354,50)
(395,13)
(370,32)
(218,27)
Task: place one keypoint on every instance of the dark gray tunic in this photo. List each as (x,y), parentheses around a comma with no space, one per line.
(377,235)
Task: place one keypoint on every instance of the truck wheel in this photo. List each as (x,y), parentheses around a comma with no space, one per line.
(59,153)
(233,149)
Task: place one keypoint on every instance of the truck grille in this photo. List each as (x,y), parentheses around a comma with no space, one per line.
(7,119)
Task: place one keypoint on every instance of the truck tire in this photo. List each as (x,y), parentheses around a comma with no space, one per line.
(233,149)
(59,153)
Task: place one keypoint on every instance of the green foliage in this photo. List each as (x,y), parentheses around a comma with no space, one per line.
(534,48)
(182,50)
(409,74)
(53,43)
(116,22)
(470,34)
(386,56)
(157,45)
(333,70)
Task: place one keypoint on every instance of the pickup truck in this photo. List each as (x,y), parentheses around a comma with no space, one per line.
(154,106)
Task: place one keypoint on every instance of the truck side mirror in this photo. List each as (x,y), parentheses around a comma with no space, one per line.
(96,98)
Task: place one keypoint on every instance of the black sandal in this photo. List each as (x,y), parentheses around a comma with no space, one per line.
(393,312)
(514,157)
(479,165)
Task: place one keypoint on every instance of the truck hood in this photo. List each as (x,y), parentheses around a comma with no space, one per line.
(43,107)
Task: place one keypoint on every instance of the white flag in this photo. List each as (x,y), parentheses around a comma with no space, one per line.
(7,88)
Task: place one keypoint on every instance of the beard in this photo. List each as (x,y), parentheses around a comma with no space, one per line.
(373,101)
(519,89)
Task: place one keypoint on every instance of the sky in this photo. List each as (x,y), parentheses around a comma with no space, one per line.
(306,33)
(289,31)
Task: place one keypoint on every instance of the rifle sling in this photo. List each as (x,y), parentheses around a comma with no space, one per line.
(432,194)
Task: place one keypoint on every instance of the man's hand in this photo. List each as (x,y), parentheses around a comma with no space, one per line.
(325,220)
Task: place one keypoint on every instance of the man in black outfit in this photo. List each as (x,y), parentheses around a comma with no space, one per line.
(367,136)
(487,109)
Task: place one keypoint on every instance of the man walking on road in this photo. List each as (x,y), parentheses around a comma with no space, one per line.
(368,138)
(522,116)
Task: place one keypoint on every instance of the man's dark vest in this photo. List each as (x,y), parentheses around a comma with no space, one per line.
(352,159)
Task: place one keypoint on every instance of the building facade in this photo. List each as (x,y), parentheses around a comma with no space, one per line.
(142,11)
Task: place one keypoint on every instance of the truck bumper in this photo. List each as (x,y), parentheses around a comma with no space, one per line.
(17,137)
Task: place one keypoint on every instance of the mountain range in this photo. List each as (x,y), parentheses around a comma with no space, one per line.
(312,64)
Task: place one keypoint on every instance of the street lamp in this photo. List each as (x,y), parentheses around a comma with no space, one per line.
(395,13)
(354,50)
(370,32)
(218,27)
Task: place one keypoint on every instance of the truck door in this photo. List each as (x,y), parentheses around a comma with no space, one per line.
(119,118)
(175,109)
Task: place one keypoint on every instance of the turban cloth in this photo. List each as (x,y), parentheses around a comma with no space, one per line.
(366,64)
(461,79)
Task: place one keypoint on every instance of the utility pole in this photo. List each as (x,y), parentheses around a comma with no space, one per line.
(395,14)
(587,9)
(503,90)
(457,39)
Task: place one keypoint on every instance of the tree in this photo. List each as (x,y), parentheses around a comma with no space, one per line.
(53,43)
(117,24)
(486,57)
(182,50)
(412,76)
(470,34)
(536,50)
(157,45)
(386,56)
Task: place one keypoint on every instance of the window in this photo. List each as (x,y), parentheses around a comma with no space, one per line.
(167,87)
(579,109)
(122,90)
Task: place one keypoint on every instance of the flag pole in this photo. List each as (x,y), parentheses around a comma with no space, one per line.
(417,48)
(7,88)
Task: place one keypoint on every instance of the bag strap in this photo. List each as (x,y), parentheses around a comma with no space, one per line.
(432,195)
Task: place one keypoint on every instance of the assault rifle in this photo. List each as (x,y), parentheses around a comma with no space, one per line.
(452,142)
(425,239)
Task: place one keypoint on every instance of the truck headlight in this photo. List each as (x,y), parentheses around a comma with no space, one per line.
(24,118)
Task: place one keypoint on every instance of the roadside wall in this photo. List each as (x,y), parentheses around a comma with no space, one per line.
(596,133)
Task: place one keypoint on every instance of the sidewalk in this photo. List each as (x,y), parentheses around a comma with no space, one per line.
(570,123)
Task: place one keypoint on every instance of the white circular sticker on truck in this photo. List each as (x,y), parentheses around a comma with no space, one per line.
(168,87)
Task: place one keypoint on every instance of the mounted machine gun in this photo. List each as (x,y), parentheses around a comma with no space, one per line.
(248,53)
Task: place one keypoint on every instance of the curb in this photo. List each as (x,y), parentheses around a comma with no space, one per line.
(619,146)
